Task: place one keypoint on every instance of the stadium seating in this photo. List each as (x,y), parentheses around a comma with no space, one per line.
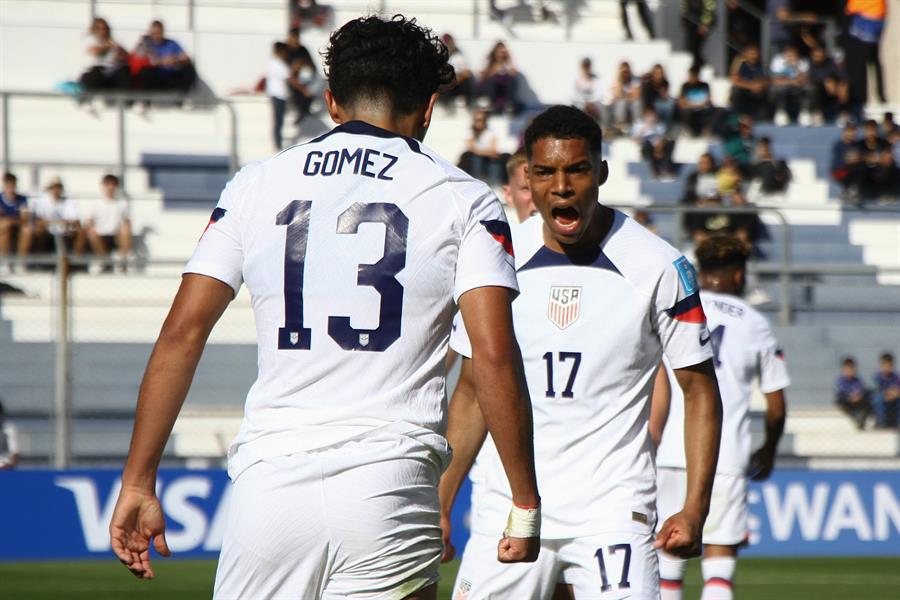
(115,316)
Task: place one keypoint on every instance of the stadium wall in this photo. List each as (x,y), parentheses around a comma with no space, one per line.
(65,514)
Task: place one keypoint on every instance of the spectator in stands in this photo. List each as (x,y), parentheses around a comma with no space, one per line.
(743,26)
(874,151)
(463,87)
(851,395)
(481,158)
(656,148)
(888,126)
(707,220)
(109,61)
(695,103)
(643,12)
(729,178)
(624,99)
(789,26)
(747,227)
(655,94)
(740,144)
(9,442)
(108,227)
(309,11)
(773,174)
(167,66)
(499,80)
(827,86)
(278,74)
(15,222)
(296,50)
(703,182)
(55,214)
(305,86)
(846,166)
(750,84)
(698,17)
(516,190)
(589,90)
(789,84)
(885,178)
(862,42)
(886,396)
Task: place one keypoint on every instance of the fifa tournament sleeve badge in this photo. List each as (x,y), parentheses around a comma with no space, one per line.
(687,275)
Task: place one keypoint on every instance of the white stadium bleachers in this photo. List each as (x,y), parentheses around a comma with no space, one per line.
(41,45)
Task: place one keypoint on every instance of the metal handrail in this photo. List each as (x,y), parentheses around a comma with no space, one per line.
(121,100)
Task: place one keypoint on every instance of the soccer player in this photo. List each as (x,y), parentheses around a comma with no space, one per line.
(516,191)
(356,249)
(744,349)
(602,299)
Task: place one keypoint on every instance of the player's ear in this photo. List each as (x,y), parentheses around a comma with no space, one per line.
(426,119)
(332,106)
(603,173)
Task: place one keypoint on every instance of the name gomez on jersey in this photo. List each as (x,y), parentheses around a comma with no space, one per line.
(354,248)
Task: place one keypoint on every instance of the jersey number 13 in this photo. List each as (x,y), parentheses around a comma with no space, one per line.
(381,276)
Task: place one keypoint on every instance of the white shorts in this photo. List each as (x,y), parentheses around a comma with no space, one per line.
(608,566)
(726,524)
(360,520)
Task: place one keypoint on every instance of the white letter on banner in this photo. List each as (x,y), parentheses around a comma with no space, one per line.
(796,507)
(217,527)
(94,524)
(192,519)
(887,511)
(847,512)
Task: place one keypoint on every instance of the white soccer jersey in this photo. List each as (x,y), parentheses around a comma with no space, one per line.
(745,349)
(592,336)
(354,248)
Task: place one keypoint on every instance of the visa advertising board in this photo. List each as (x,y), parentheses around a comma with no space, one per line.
(65,514)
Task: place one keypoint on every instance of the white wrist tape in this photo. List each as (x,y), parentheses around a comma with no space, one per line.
(523,522)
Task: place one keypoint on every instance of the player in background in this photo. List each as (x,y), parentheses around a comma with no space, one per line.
(744,349)
(356,249)
(602,299)
(517,191)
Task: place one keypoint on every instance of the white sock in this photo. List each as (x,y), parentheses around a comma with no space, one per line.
(718,578)
(671,576)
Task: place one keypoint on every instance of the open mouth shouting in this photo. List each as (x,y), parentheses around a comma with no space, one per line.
(566,220)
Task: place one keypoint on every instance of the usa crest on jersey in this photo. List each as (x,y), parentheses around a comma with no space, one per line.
(564,306)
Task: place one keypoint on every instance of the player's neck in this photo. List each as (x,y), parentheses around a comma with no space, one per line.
(410,126)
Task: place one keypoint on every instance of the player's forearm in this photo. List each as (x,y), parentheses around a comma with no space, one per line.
(163,390)
(466,430)
(775,417)
(702,432)
(504,402)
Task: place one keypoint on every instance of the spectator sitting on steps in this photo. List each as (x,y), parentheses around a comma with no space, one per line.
(109,62)
(851,395)
(55,214)
(15,220)
(108,227)
(886,399)
(168,67)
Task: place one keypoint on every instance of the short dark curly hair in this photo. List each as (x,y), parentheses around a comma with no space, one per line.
(396,62)
(564,123)
(722,251)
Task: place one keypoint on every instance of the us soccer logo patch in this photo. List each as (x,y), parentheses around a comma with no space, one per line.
(564,306)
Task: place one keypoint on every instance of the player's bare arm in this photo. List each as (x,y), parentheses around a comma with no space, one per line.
(138,518)
(503,399)
(763,460)
(681,534)
(659,404)
(466,431)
